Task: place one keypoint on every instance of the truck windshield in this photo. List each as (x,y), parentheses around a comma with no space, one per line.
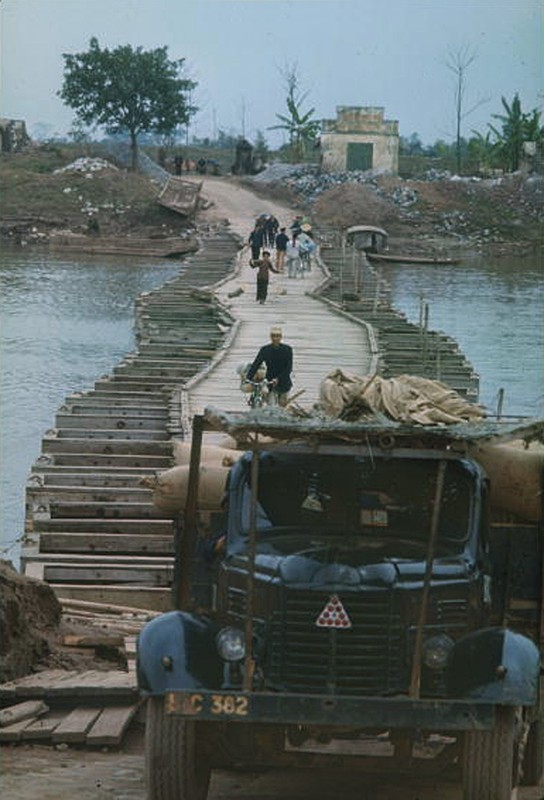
(366,498)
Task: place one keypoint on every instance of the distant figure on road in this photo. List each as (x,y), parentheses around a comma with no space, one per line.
(264,267)
(292,256)
(306,249)
(256,240)
(278,358)
(281,246)
(271,225)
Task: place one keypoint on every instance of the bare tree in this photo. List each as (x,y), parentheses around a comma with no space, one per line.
(243,116)
(458,62)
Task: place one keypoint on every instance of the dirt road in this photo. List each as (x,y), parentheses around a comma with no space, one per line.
(238,205)
(44,773)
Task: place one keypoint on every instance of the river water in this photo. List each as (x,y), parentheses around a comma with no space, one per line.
(495,311)
(66,322)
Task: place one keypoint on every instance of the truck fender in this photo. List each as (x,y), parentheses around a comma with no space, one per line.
(177,651)
(494,665)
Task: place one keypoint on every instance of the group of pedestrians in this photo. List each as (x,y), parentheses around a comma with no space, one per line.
(293,250)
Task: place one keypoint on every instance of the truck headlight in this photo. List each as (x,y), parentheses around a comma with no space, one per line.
(436,651)
(231,644)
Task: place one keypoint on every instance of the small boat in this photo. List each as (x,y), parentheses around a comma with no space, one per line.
(373,242)
(167,247)
(407,259)
(366,237)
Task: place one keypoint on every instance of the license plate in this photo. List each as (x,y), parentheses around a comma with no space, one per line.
(218,705)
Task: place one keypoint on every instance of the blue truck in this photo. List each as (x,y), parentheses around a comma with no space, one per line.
(355,583)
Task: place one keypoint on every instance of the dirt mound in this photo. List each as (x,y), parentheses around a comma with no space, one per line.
(29,614)
(354,204)
(34,631)
(473,212)
(46,190)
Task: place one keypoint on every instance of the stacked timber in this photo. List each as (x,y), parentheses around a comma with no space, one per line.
(357,287)
(86,706)
(92,530)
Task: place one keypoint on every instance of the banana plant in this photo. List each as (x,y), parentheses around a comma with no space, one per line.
(517,128)
(301,129)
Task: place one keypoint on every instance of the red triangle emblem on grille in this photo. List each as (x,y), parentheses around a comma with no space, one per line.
(334,615)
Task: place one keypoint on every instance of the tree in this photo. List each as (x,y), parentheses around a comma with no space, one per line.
(79,133)
(459,62)
(481,150)
(517,128)
(127,90)
(261,147)
(411,145)
(300,127)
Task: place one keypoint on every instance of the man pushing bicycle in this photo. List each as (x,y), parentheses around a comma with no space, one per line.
(278,358)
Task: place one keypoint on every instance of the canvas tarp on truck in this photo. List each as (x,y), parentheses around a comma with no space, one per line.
(405,398)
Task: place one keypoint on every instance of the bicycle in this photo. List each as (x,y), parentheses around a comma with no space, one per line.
(262,393)
(305,260)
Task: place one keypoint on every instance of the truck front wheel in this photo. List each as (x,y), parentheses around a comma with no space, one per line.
(490,762)
(177,766)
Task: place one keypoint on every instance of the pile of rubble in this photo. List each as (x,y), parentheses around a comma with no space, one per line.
(87,165)
(307,180)
(472,210)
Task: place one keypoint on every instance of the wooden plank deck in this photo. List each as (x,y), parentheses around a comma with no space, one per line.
(322,337)
(322,340)
(92,531)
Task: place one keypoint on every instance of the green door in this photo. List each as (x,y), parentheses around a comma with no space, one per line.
(359,155)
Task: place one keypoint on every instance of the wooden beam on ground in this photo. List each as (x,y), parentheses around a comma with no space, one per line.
(106,608)
(21,711)
(13,733)
(43,728)
(92,640)
(75,726)
(60,683)
(111,725)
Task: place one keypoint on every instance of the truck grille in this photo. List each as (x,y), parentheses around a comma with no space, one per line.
(366,659)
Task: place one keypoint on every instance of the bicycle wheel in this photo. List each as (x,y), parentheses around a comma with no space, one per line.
(256,399)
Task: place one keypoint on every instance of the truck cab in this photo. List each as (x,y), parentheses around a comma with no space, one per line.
(354,585)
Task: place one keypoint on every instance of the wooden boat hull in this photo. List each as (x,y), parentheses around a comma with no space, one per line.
(132,246)
(411,259)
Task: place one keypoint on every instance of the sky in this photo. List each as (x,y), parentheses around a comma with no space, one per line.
(387,53)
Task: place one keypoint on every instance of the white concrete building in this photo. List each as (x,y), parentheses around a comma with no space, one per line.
(360,139)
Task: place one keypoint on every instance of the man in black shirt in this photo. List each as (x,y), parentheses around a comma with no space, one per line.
(278,358)
(281,247)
